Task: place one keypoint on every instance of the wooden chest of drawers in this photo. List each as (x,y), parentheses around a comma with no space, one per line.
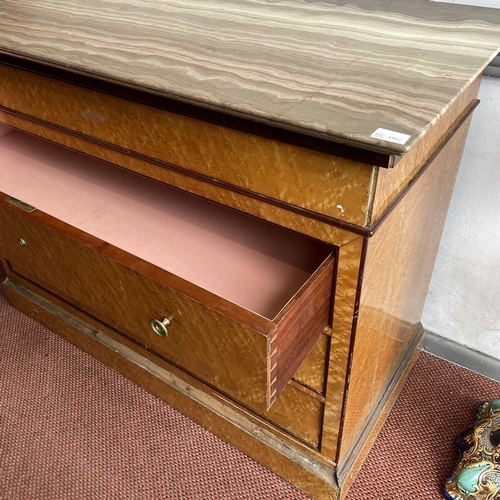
(265,277)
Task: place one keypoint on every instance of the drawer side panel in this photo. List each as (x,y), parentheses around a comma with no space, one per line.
(299,331)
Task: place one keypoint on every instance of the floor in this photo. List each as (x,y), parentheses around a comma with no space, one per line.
(71,428)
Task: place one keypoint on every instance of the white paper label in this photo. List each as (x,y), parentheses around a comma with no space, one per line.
(390,136)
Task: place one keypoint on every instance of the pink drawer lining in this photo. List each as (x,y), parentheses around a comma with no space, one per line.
(249,262)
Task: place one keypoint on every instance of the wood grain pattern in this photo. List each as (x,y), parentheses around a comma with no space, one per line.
(302,177)
(162,101)
(287,461)
(312,371)
(227,353)
(386,394)
(256,207)
(335,69)
(299,414)
(311,315)
(391,181)
(368,441)
(349,265)
(236,358)
(399,263)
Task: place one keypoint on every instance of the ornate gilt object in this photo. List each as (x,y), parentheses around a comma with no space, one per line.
(477,474)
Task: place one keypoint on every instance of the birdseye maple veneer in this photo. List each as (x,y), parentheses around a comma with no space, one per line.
(238,204)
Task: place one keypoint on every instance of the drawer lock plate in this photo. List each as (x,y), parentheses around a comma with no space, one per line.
(20,204)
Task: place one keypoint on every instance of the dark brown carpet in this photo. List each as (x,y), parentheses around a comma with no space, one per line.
(71,428)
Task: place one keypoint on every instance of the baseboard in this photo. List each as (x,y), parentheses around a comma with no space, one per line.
(462,355)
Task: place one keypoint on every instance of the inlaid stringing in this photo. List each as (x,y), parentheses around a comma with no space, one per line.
(329,68)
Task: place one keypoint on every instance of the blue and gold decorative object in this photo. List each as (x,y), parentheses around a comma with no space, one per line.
(477,474)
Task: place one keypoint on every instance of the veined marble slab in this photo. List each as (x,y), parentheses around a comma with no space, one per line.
(332,68)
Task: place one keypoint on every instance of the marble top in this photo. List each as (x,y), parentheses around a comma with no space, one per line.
(336,69)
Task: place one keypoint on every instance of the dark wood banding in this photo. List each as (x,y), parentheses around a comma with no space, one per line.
(367,231)
(306,291)
(231,187)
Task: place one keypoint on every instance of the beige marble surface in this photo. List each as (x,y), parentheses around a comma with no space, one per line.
(331,68)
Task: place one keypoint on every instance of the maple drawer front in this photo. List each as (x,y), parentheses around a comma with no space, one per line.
(240,359)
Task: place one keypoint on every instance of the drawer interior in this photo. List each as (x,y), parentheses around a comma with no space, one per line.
(252,263)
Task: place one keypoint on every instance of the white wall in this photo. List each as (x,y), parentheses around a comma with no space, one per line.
(477,3)
(463,303)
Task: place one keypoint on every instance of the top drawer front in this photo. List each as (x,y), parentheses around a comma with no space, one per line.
(247,364)
(307,179)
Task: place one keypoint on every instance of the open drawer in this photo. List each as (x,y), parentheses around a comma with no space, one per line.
(233,300)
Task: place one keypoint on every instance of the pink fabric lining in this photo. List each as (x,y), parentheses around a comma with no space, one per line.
(254,264)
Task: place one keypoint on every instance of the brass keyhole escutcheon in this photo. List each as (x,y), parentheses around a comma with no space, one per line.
(160,327)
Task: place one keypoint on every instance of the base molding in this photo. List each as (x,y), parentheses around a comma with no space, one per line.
(462,355)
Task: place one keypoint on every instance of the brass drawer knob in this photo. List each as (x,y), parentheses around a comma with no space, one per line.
(160,327)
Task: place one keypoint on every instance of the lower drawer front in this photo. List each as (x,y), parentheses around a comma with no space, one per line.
(295,412)
(312,372)
(90,274)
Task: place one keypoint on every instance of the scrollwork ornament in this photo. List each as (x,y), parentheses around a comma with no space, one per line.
(477,473)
